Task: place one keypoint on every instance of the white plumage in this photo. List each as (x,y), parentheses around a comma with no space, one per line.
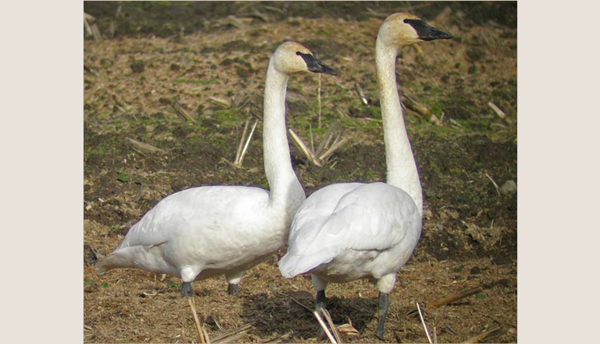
(208,231)
(204,232)
(345,232)
(351,231)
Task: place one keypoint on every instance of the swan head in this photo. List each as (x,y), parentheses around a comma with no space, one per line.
(292,57)
(400,29)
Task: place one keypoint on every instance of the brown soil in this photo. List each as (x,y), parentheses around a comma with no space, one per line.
(133,81)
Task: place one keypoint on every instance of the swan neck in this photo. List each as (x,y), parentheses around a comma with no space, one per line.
(285,188)
(401,166)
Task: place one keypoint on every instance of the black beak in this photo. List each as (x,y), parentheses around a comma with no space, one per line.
(427,32)
(315,65)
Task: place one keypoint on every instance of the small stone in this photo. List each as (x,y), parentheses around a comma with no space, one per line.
(509,187)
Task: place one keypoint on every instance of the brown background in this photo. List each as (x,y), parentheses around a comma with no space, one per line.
(42,147)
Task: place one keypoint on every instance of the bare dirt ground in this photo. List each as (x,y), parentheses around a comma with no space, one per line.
(156,61)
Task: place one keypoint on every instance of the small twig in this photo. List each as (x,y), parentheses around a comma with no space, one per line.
(333,148)
(229,163)
(86,327)
(280,338)
(414,105)
(319,99)
(455,297)
(341,113)
(303,148)
(450,299)
(220,101)
(417,48)
(144,146)
(241,144)
(226,336)
(348,329)
(326,138)
(96,33)
(199,328)
(324,327)
(312,141)
(182,112)
(493,182)
(451,329)
(85,23)
(497,110)
(248,141)
(336,334)
(479,338)
(259,15)
(233,339)
(423,321)
(455,123)
(206,337)
(361,94)
(241,160)
(310,310)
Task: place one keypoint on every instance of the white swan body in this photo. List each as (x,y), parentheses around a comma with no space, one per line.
(208,231)
(350,231)
(238,230)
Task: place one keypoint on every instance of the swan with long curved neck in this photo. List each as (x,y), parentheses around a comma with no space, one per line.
(350,231)
(223,230)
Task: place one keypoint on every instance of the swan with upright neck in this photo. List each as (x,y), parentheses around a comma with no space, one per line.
(351,231)
(223,230)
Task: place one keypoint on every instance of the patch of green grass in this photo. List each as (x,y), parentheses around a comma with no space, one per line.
(107,147)
(195,82)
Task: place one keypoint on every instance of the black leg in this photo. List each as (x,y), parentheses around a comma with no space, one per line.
(384,304)
(233,289)
(320,301)
(186,289)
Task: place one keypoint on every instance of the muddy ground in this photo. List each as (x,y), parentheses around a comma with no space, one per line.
(153,62)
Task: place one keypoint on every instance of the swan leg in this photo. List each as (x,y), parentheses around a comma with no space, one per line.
(320,301)
(319,285)
(233,289)
(233,283)
(384,305)
(186,289)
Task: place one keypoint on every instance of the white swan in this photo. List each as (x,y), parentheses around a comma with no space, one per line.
(350,231)
(214,230)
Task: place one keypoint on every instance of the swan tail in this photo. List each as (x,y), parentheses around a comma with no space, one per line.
(107,263)
(294,265)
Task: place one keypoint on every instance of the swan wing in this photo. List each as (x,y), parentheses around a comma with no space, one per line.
(373,216)
(212,210)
